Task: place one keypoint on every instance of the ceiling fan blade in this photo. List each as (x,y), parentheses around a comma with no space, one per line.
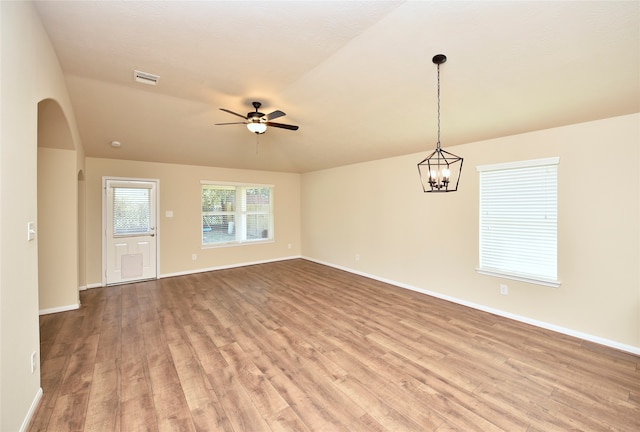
(231,112)
(221,124)
(282,125)
(275,114)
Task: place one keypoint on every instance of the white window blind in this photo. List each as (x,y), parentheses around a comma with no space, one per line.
(131,210)
(519,220)
(235,213)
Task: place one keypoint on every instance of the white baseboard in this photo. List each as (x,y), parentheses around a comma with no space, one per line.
(208,269)
(59,309)
(558,329)
(224,267)
(32,410)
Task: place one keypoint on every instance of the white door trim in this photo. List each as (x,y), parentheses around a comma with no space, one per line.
(104,221)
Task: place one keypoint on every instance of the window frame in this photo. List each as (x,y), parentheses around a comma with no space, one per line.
(239,213)
(550,278)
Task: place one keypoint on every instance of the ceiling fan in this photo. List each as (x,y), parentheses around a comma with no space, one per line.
(257,122)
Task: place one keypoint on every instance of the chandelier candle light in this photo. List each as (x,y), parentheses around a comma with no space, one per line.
(440,171)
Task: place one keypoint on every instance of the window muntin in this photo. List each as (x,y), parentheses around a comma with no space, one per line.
(236,213)
(519,220)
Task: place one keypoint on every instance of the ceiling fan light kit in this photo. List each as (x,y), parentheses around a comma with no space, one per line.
(440,171)
(257,127)
(258,122)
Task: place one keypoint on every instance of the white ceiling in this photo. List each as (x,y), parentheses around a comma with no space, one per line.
(356,76)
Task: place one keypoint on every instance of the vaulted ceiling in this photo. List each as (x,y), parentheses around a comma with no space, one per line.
(356,76)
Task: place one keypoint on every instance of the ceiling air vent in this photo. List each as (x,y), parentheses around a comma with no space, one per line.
(145,78)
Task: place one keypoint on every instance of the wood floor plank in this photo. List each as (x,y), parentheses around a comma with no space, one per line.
(236,402)
(375,406)
(336,408)
(169,400)
(134,369)
(138,414)
(206,352)
(286,421)
(298,346)
(103,410)
(213,327)
(65,339)
(69,412)
(50,326)
(290,389)
(50,379)
(79,372)
(205,408)
(263,395)
(170,404)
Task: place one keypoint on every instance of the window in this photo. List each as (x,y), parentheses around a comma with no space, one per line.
(234,213)
(131,210)
(519,220)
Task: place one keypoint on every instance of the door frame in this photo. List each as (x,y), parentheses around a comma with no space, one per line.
(104,221)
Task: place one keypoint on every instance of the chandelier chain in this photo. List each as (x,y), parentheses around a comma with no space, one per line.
(438,143)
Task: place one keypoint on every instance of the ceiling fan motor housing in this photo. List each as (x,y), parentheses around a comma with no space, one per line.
(254,116)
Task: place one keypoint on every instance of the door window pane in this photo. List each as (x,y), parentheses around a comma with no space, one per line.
(131,211)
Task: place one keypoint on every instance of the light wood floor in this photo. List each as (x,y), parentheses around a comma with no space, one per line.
(296,346)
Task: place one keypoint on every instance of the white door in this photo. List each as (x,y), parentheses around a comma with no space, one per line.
(130,235)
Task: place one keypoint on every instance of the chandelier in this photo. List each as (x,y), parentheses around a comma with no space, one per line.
(440,171)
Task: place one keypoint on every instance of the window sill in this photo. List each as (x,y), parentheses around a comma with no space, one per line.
(235,243)
(521,278)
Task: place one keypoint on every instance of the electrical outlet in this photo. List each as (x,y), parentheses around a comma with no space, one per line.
(194,257)
(504,290)
(357,257)
(289,246)
(33,362)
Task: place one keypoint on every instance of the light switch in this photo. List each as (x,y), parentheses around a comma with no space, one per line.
(31,231)
(168,213)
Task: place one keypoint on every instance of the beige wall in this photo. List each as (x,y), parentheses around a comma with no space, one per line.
(29,73)
(82,231)
(180,235)
(430,241)
(57,224)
